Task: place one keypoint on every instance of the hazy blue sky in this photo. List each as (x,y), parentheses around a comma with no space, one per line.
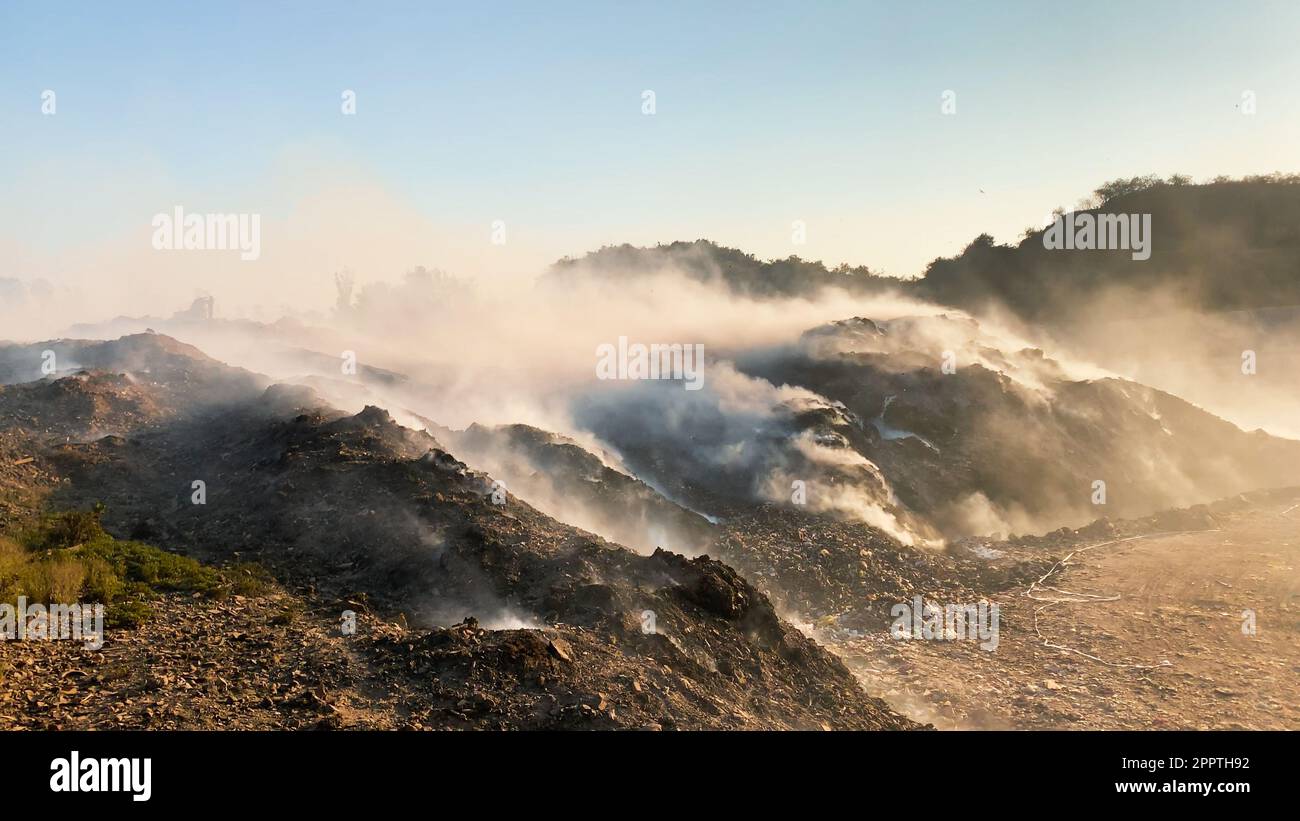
(531,113)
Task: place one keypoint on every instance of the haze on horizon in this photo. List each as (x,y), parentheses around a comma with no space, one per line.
(827,115)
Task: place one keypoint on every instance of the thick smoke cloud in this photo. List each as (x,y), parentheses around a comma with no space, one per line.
(441,350)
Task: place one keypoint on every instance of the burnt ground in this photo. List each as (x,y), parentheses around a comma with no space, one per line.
(474,614)
(817,567)
(1140,627)
(266,663)
(356,512)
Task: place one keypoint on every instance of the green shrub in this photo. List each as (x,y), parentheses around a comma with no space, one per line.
(248,579)
(68,557)
(67,528)
(13,563)
(157,570)
(52,581)
(127,614)
(66,579)
(102,583)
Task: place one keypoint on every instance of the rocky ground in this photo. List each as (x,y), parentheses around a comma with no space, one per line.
(478,609)
(1144,624)
(357,512)
(819,567)
(268,662)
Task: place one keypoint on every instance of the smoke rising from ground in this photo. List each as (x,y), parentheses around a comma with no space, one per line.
(1160,339)
(437,349)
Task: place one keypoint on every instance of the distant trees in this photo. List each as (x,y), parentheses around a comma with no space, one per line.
(1121,187)
(344,282)
(708,262)
(1226,244)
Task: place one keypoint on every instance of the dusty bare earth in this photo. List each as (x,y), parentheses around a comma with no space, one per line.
(1161,647)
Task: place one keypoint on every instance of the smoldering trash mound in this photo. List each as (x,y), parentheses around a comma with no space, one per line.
(828,478)
(475,609)
(573,484)
(928,428)
(1007,439)
(868,461)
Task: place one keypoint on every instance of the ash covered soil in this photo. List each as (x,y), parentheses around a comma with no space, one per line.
(1188,620)
(354,512)
(479,609)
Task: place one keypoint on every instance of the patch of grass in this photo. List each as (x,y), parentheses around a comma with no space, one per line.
(55,581)
(145,568)
(67,557)
(67,528)
(102,582)
(13,566)
(128,614)
(248,579)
